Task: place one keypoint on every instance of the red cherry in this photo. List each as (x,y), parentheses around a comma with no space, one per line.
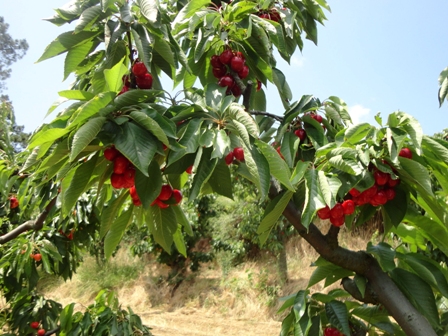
(339,221)
(226,56)
(177,194)
(317,117)
(244,72)
(390,194)
(219,72)
(139,69)
(380,197)
(236,63)
(13,202)
(37,257)
(136,202)
(216,62)
(70,236)
(160,204)
(265,16)
(133,192)
(275,16)
(279,151)
(301,134)
(34,325)
(258,85)
(120,164)
(236,91)
(393,183)
(348,207)
(189,170)
(369,193)
(332,332)
(380,177)
(406,153)
(240,54)
(111,153)
(229,158)
(238,153)
(126,81)
(226,81)
(123,90)
(144,82)
(129,177)
(117,180)
(354,192)
(165,192)
(337,211)
(324,213)
(41,332)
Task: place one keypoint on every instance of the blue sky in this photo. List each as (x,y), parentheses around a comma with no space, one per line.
(378,56)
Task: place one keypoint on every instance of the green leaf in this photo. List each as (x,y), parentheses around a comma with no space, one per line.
(419,293)
(278,168)
(179,242)
(415,173)
(299,172)
(85,135)
(163,225)
(114,76)
(163,48)
(150,10)
(237,112)
(282,86)
(148,186)
(77,185)
(76,56)
(144,48)
(313,200)
(110,212)
(88,17)
(346,165)
(385,255)
(76,94)
(205,169)
(51,134)
(328,187)
(91,107)
(328,271)
(66,41)
(137,145)
(443,82)
(187,11)
(338,316)
(221,181)
(264,173)
(354,134)
(221,143)
(271,215)
(151,125)
(116,232)
(182,219)
(396,208)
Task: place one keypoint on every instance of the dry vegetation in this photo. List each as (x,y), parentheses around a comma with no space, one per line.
(243,302)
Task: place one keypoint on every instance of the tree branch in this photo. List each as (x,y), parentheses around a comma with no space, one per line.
(53,331)
(389,295)
(246,95)
(369,296)
(270,115)
(29,225)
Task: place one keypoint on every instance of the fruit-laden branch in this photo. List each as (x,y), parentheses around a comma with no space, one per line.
(29,225)
(362,263)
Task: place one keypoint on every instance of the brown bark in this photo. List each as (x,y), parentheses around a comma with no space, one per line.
(388,294)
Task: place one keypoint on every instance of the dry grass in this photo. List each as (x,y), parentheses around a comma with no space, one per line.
(243,302)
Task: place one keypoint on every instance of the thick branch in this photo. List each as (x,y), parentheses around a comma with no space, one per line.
(29,225)
(53,331)
(270,115)
(369,296)
(411,321)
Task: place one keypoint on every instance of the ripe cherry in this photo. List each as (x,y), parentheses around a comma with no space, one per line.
(111,153)
(117,180)
(123,90)
(380,197)
(301,134)
(120,164)
(236,91)
(337,211)
(380,177)
(406,153)
(332,332)
(136,202)
(37,257)
(13,202)
(144,82)
(317,117)
(165,192)
(324,213)
(226,56)
(229,158)
(275,16)
(390,194)
(177,195)
(34,325)
(160,204)
(369,193)
(244,72)
(129,177)
(41,332)
(238,153)
(216,62)
(219,72)
(354,192)
(139,69)
(264,16)
(339,221)
(236,63)
(258,85)
(133,192)
(189,170)
(226,81)
(392,183)
(348,207)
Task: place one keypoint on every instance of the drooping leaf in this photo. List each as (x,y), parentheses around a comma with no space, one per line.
(148,185)
(162,224)
(116,232)
(313,200)
(85,134)
(338,315)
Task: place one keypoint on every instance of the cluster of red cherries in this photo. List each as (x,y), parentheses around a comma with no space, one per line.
(271,14)
(330,331)
(36,325)
(221,66)
(379,194)
(237,154)
(123,176)
(142,77)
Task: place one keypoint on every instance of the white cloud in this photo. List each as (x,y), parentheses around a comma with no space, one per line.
(358,113)
(297,62)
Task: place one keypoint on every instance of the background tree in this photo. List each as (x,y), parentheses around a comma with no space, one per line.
(124,149)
